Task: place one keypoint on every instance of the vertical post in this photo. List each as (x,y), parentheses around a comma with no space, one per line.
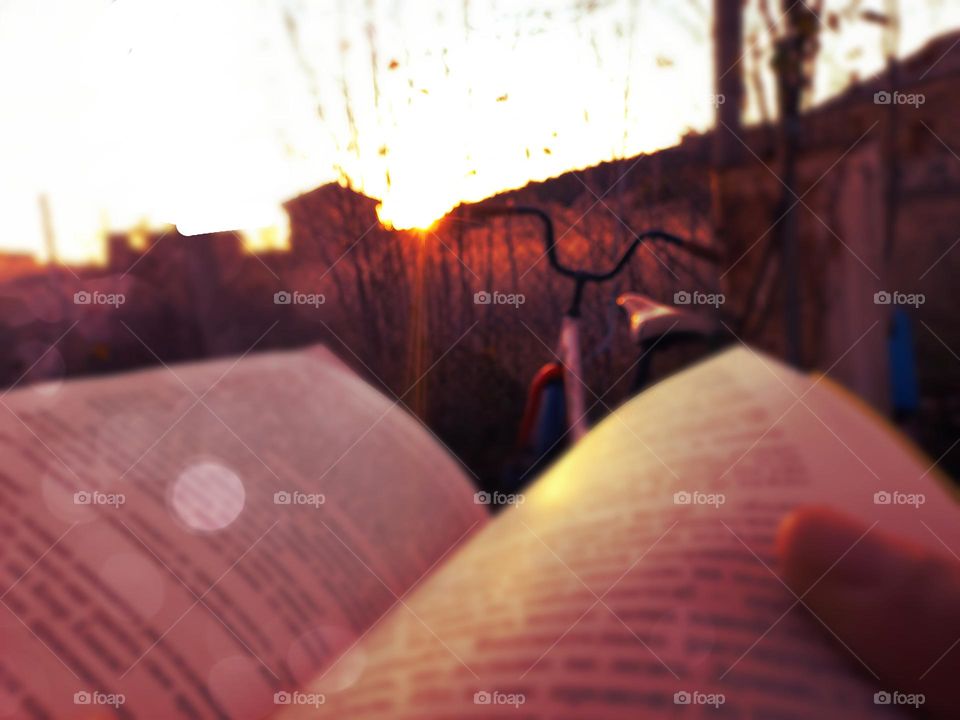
(49,237)
(892,176)
(790,58)
(728,85)
(728,88)
(56,280)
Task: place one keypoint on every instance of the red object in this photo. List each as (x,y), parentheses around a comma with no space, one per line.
(549,373)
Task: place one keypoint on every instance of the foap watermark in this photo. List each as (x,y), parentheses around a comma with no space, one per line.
(683,497)
(295,497)
(95,697)
(498,498)
(282,697)
(895,97)
(494,297)
(484,697)
(899,298)
(717,99)
(96,497)
(914,700)
(882,497)
(685,297)
(695,697)
(284,297)
(84,297)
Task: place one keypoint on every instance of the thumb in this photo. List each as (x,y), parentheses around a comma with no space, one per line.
(895,605)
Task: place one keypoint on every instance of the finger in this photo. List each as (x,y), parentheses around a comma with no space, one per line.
(897,606)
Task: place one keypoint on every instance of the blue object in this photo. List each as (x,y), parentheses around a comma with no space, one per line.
(904,386)
(551,421)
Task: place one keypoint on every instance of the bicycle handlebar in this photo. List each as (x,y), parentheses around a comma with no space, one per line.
(550,243)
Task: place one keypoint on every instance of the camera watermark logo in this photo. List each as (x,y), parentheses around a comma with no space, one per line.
(283,297)
(887,97)
(95,497)
(898,298)
(84,297)
(94,697)
(882,497)
(483,697)
(914,700)
(483,297)
(282,697)
(695,697)
(498,498)
(685,297)
(283,497)
(683,497)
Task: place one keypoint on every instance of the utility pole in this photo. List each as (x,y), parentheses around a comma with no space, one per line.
(57,282)
(794,48)
(49,237)
(728,95)
(891,153)
(728,86)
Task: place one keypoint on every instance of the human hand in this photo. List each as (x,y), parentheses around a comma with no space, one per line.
(896,605)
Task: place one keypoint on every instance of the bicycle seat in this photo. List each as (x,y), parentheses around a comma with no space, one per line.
(650,319)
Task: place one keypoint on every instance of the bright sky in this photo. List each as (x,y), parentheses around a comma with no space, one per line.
(210,113)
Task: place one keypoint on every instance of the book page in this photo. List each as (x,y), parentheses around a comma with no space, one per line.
(188,542)
(638,577)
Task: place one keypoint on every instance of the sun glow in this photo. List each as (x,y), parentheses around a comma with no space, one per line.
(210,115)
(426,110)
(422,216)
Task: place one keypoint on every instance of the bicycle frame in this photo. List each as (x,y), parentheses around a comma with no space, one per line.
(571,358)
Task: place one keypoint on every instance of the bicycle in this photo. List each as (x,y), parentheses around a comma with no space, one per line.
(555,413)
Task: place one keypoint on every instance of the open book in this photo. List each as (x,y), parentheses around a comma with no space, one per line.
(271,537)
